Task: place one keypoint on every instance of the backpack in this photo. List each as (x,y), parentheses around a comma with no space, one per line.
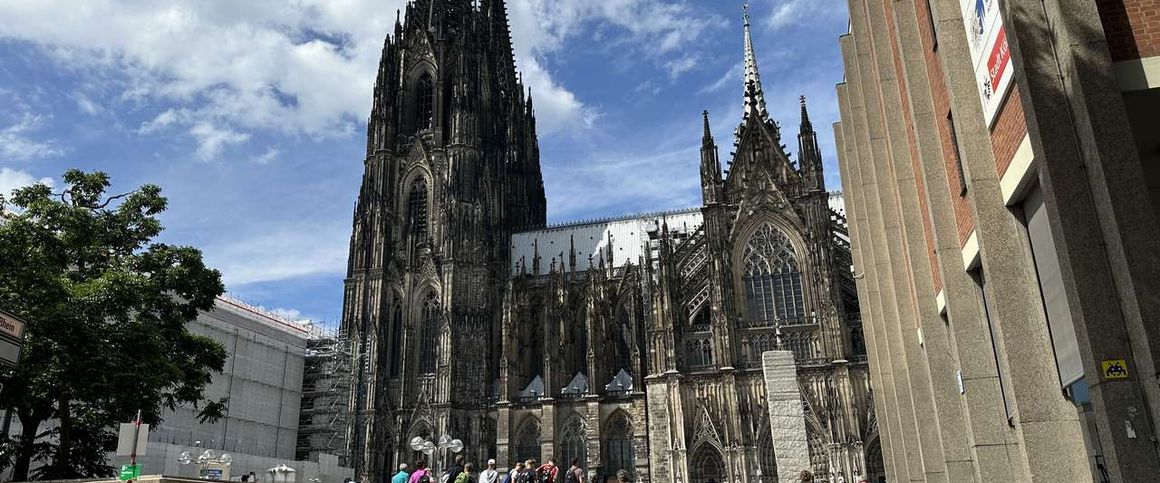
(571,476)
(426,478)
(524,477)
(507,478)
(463,478)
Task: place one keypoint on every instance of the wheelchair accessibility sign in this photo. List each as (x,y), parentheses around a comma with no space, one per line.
(1115,369)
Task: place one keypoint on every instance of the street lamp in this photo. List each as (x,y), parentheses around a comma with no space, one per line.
(419,443)
(212,466)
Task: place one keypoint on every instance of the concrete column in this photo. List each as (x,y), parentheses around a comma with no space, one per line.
(988,434)
(889,415)
(847,155)
(1046,424)
(879,155)
(937,343)
(1092,178)
(887,181)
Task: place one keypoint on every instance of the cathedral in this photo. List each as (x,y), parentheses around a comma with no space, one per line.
(632,343)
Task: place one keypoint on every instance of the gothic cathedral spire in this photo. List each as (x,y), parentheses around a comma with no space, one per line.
(754,96)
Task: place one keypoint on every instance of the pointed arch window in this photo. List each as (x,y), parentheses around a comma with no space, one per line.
(425,101)
(430,344)
(396,341)
(618,451)
(623,338)
(773,282)
(417,211)
(572,446)
(528,441)
(765,456)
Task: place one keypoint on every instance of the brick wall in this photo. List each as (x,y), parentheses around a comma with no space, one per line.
(1132,27)
(1009,130)
(964,220)
(912,140)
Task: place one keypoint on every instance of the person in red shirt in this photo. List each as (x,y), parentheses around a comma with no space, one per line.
(548,469)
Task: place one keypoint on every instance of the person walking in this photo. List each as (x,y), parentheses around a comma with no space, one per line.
(402,475)
(489,475)
(528,474)
(575,474)
(421,474)
(514,474)
(467,475)
(456,470)
(547,472)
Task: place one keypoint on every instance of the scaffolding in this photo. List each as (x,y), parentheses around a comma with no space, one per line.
(326,390)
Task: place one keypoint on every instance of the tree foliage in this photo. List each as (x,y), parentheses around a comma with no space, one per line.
(106,307)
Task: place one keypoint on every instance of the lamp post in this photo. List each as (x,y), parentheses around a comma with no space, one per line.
(211,465)
(419,443)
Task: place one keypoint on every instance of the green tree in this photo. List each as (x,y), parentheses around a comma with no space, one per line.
(106,308)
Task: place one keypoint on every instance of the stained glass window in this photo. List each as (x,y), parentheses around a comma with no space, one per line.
(417,211)
(572,443)
(773,282)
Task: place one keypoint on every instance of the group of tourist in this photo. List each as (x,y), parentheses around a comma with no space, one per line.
(524,472)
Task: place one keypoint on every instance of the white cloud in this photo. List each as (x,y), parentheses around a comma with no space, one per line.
(304,66)
(789,12)
(212,139)
(11,179)
(267,157)
(18,144)
(679,66)
(271,252)
(731,77)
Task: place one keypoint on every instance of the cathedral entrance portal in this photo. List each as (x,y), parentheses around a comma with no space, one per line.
(707,466)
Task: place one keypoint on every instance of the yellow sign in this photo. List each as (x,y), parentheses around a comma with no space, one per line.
(1115,369)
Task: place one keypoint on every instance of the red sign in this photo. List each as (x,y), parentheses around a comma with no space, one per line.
(1000,57)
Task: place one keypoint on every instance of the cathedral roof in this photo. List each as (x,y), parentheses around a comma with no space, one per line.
(625,237)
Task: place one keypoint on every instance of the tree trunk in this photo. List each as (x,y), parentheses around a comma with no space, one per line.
(29,425)
(62,463)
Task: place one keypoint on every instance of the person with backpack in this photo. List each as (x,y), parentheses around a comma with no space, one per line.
(489,475)
(421,474)
(547,472)
(453,474)
(402,475)
(514,473)
(575,473)
(466,476)
(528,473)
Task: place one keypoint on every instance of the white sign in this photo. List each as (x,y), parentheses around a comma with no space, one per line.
(125,439)
(9,352)
(11,326)
(990,54)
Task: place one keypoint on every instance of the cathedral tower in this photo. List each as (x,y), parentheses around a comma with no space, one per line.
(452,169)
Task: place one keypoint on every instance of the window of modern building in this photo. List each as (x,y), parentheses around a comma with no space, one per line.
(1051,288)
(957,154)
(985,307)
(931,15)
(773,283)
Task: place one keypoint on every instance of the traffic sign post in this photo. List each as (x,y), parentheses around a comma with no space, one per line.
(130,472)
(11,339)
(131,444)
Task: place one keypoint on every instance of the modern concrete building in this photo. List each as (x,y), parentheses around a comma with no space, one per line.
(1002,177)
(262,379)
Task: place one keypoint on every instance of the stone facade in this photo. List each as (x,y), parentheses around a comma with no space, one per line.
(632,343)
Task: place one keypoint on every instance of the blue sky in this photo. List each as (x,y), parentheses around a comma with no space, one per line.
(250,115)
